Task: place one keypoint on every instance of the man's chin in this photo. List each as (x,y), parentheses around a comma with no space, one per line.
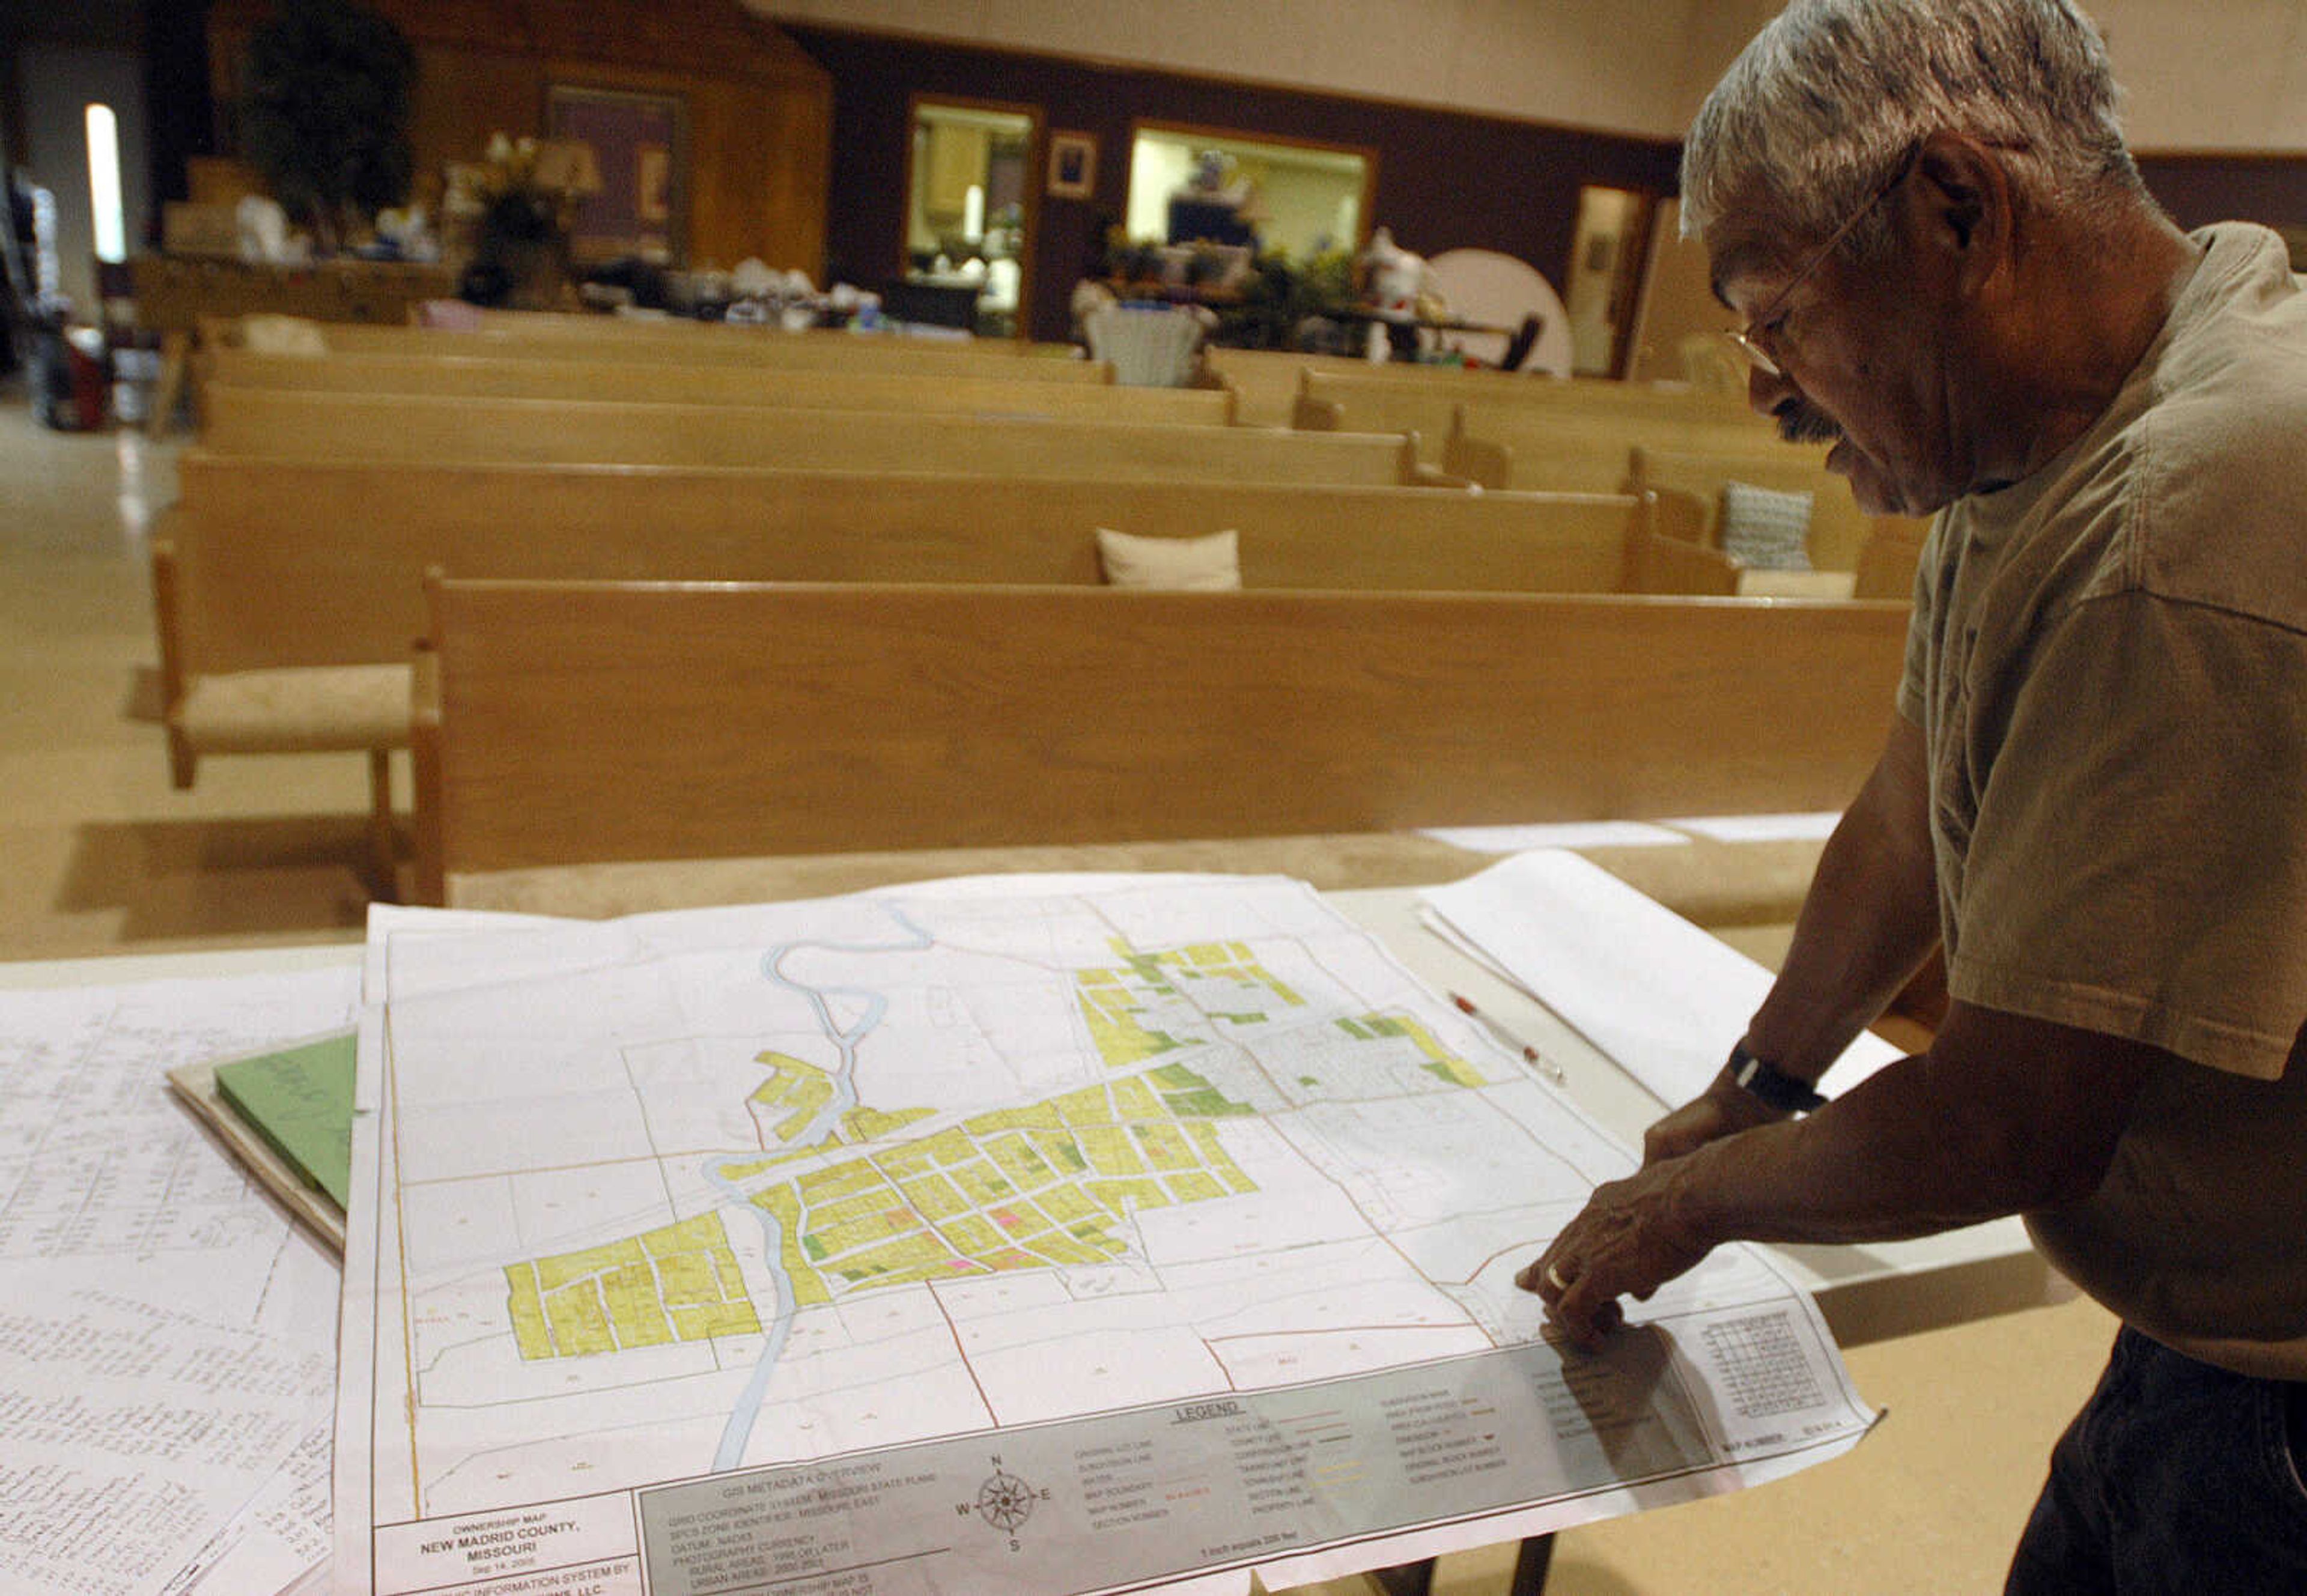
(1874,490)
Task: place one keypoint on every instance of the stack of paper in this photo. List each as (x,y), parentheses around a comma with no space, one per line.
(1661,997)
(287,1114)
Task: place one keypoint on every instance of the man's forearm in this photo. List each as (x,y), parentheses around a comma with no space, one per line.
(2004,1115)
(1870,919)
(1876,1165)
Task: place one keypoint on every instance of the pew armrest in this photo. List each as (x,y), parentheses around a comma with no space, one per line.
(1682,515)
(1670,565)
(1476,460)
(1310,414)
(425,765)
(168,629)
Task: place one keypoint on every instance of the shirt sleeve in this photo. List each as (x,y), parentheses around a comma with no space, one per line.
(2138,862)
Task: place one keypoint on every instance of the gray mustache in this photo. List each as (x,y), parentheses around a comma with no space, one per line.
(1800,423)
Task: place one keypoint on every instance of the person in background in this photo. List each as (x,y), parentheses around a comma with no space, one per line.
(2093,794)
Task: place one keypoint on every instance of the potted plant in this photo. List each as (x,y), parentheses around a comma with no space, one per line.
(324,112)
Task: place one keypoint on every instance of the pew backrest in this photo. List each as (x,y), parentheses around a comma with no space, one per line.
(1838,528)
(1427,400)
(1888,559)
(697,344)
(424,430)
(559,326)
(485,376)
(272,563)
(1540,450)
(575,724)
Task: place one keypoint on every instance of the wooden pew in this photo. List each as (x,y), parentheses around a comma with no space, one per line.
(481,376)
(1540,450)
(1888,559)
(697,345)
(1269,380)
(1427,400)
(287,592)
(419,430)
(561,326)
(557,720)
(1690,485)
(336,548)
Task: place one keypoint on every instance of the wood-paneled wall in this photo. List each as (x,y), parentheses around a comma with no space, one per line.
(760,111)
(1445,179)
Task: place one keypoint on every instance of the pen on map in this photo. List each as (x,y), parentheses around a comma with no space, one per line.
(1529,1055)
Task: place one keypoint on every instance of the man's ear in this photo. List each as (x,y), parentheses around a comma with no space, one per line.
(1956,209)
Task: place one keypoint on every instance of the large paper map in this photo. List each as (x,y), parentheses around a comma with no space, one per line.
(1040,1235)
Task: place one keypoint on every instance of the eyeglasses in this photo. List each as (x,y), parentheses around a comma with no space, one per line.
(1747,340)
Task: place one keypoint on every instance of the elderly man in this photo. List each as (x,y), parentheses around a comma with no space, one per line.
(2093,791)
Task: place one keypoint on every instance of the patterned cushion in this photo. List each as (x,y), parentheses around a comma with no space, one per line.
(1765,530)
(1211,564)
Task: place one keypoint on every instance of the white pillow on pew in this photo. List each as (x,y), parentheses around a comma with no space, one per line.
(270,334)
(1765,530)
(1211,564)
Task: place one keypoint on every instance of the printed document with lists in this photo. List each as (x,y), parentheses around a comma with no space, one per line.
(1041,1234)
(166,1330)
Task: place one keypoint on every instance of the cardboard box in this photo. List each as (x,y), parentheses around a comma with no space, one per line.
(189,229)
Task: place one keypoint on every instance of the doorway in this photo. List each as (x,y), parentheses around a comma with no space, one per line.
(970,214)
(56,85)
(1606,276)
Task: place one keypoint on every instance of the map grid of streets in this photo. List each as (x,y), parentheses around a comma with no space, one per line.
(691,1197)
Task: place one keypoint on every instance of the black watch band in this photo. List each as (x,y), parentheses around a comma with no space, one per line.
(1773,1086)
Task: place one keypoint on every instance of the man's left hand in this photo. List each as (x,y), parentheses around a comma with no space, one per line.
(1630,1239)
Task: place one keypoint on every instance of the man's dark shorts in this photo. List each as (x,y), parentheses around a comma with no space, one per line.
(2177,1476)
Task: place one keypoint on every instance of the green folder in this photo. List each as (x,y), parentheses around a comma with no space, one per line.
(300,1101)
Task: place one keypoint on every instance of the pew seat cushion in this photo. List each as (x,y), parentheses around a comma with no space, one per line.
(1211,564)
(1765,529)
(296,710)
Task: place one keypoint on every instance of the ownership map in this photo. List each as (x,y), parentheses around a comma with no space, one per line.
(1039,1235)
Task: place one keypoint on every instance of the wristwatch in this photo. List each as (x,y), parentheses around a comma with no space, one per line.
(1772,1085)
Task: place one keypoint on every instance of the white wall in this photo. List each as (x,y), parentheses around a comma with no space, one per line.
(2199,74)
(2228,74)
(1611,64)
(57,83)
(2202,74)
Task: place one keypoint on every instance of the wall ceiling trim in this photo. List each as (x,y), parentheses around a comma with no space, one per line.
(1107,64)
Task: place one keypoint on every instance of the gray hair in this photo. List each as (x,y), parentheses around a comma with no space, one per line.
(1814,116)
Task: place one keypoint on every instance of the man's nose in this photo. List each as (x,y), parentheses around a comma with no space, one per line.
(1766,391)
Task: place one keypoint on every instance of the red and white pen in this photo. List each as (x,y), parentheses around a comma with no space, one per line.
(1512,1043)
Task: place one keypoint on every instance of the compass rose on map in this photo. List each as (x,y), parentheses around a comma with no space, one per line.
(1006,1502)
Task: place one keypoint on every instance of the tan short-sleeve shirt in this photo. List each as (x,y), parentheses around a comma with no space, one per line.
(2109,663)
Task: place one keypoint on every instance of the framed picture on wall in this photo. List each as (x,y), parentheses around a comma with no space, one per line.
(639,144)
(1072,165)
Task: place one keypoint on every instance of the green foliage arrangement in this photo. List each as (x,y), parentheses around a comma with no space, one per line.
(1266,309)
(1282,294)
(324,113)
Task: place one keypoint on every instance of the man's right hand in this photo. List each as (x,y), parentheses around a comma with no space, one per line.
(1725,1108)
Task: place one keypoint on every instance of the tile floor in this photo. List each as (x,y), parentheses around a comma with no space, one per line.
(98,852)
